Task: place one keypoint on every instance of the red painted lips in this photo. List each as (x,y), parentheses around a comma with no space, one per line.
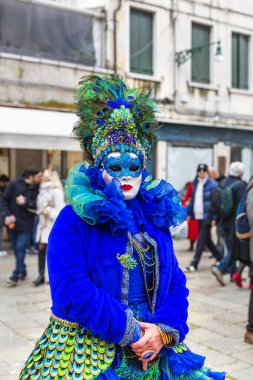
(126,187)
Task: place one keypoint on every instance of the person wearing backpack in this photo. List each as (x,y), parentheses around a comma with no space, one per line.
(249,210)
(243,233)
(233,189)
(200,209)
(248,337)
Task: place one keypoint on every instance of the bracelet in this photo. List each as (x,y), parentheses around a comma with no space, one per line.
(167,338)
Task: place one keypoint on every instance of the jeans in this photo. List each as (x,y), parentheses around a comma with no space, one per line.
(204,240)
(20,241)
(228,263)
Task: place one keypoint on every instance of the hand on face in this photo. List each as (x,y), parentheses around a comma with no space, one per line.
(127,168)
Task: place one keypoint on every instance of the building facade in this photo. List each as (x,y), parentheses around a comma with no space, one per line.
(196,55)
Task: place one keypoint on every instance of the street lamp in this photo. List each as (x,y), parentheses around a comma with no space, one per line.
(185,55)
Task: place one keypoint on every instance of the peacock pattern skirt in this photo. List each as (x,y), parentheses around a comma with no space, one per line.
(66,351)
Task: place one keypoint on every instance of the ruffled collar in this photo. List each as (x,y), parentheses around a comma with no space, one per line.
(98,203)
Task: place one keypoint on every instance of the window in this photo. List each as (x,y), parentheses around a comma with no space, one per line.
(201,59)
(240,47)
(141,42)
(46,32)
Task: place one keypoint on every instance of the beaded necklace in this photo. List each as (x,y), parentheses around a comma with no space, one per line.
(147,261)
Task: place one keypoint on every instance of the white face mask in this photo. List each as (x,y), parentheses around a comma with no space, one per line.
(127,168)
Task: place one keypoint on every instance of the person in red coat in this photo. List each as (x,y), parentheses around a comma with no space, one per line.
(193,227)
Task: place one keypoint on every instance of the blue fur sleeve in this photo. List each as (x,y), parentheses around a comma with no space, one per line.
(74,295)
(172,302)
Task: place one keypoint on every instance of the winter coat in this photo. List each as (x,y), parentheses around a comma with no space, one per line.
(50,201)
(1,209)
(24,214)
(208,188)
(86,277)
(249,206)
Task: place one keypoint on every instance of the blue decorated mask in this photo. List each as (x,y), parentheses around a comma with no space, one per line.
(127,168)
(123,165)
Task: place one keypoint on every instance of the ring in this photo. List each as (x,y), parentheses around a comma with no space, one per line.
(147,354)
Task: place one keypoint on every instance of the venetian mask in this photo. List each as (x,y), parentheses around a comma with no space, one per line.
(127,168)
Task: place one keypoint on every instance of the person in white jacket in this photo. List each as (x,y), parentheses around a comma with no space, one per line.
(50,201)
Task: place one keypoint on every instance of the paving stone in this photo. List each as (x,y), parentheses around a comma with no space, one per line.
(235,318)
(202,335)
(17,357)
(223,328)
(227,345)
(245,355)
(11,342)
(32,333)
(244,374)
(22,323)
(5,331)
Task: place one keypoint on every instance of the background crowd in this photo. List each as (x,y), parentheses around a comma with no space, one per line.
(29,206)
(225,203)
(220,221)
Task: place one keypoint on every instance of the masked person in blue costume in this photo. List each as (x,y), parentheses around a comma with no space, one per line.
(119,297)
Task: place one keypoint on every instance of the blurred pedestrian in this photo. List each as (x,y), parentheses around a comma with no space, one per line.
(227,223)
(248,337)
(220,179)
(216,174)
(250,219)
(200,209)
(4,180)
(19,208)
(243,231)
(50,201)
(193,227)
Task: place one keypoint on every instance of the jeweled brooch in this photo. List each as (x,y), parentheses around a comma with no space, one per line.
(127,261)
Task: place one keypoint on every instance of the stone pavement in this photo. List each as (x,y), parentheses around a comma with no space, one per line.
(217,318)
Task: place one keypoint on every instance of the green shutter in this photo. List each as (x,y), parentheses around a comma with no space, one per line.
(235,63)
(240,59)
(201,59)
(243,71)
(141,42)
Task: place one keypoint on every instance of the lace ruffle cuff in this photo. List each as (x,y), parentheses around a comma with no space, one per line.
(133,330)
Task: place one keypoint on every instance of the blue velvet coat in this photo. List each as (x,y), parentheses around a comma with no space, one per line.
(86,277)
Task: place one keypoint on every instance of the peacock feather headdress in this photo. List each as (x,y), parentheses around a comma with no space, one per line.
(114,117)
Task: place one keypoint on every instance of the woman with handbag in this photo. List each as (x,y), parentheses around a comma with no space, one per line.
(50,201)
(119,296)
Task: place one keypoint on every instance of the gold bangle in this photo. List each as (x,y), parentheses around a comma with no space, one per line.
(167,338)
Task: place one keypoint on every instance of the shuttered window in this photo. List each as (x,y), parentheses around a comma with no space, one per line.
(201,59)
(141,42)
(240,57)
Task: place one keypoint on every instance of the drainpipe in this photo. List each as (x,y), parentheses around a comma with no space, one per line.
(173,21)
(115,36)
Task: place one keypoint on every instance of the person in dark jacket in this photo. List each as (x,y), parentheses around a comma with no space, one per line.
(228,263)
(3,183)
(248,337)
(19,207)
(200,209)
